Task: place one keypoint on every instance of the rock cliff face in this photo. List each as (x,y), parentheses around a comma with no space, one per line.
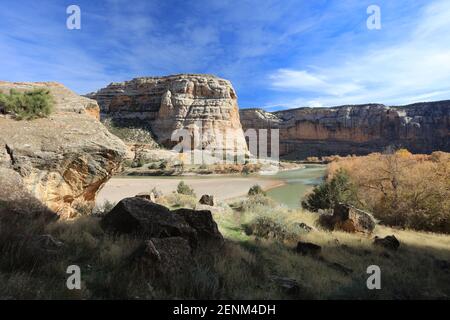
(167,104)
(356,129)
(62,160)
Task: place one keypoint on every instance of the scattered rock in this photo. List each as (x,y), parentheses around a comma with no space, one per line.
(150,196)
(48,242)
(349,219)
(388,242)
(307,248)
(207,200)
(360,221)
(304,227)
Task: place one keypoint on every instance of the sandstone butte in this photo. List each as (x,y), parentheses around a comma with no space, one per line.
(59,162)
(166,104)
(356,129)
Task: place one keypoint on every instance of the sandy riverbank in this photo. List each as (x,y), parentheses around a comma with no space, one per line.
(223,188)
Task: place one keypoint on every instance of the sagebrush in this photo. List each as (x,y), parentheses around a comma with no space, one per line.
(28,105)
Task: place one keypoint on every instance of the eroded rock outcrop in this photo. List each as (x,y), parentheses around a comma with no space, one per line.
(146,219)
(168,104)
(63,160)
(356,129)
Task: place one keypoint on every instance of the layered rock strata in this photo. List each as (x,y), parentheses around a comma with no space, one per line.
(202,104)
(61,161)
(356,129)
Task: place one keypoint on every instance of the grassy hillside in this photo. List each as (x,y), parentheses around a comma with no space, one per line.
(253,264)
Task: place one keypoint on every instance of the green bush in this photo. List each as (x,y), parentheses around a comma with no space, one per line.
(183,188)
(329,193)
(256,190)
(139,163)
(267,228)
(28,105)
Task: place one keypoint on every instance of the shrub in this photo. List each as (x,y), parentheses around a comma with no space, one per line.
(28,105)
(258,202)
(338,189)
(402,189)
(183,188)
(163,165)
(256,190)
(267,228)
(139,163)
(177,200)
(156,192)
(105,208)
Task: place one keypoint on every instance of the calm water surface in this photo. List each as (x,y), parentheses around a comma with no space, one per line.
(297,184)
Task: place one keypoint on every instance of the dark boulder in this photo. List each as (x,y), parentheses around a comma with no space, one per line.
(349,219)
(356,219)
(203,223)
(207,200)
(388,242)
(150,220)
(307,248)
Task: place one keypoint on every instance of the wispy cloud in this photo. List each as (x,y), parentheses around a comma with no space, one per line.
(415,68)
(277,53)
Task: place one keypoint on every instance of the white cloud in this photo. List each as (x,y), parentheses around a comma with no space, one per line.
(415,69)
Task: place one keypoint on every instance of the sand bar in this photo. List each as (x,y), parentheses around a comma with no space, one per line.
(223,188)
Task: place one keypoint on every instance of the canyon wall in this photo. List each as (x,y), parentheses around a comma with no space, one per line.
(61,161)
(356,129)
(167,104)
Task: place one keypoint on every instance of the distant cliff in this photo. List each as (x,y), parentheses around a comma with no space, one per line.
(166,104)
(356,129)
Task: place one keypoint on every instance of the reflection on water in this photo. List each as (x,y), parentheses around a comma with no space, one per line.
(298,183)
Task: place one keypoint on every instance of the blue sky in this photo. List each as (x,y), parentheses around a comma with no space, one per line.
(278,54)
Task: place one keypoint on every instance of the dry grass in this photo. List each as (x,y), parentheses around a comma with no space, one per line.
(414,271)
(243,269)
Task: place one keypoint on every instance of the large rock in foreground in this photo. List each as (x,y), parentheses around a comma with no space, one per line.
(349,219)
(63,160)
(146,219)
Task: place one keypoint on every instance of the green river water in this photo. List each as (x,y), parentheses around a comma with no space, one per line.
(297,184)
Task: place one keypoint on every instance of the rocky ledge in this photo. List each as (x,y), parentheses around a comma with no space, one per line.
(61,161)
(356,129)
